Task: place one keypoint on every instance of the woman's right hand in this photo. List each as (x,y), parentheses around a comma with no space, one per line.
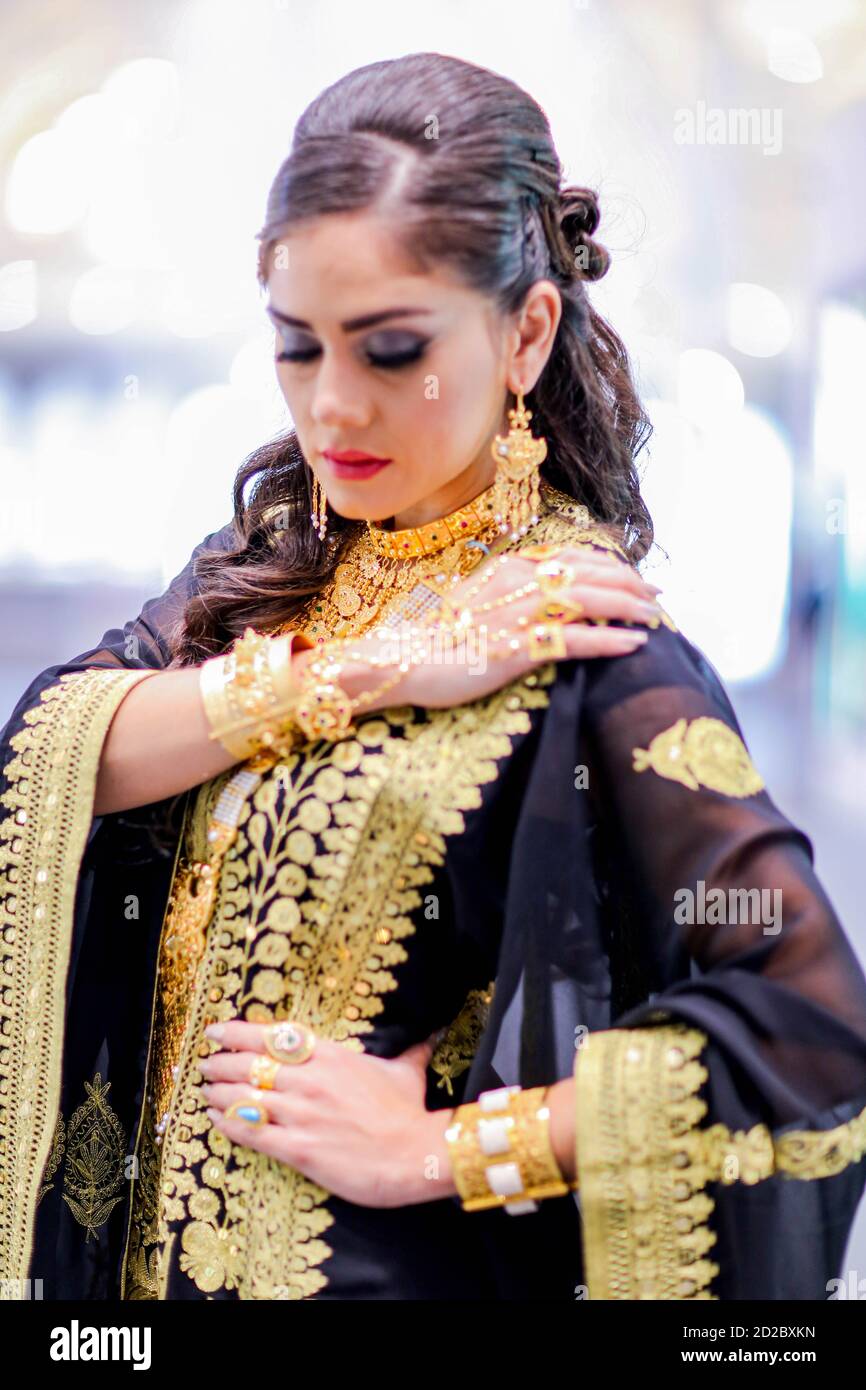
(453,674)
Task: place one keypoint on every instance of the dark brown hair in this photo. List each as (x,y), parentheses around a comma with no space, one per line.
(460,161)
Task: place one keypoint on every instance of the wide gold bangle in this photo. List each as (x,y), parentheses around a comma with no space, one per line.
(500,1151)
(249,693)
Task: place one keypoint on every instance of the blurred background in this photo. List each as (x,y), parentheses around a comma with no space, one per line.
(726,141)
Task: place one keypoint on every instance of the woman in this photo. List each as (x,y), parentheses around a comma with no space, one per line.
(312,969)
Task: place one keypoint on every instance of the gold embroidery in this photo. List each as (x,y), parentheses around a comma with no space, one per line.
(579,526)
(58,1143)
(182,942)
(455,1050)
(705,753)
(643,1163)
(642,1201)
(93,1176)
(322,882)
(141,1265)
(52,778)
(750,1157)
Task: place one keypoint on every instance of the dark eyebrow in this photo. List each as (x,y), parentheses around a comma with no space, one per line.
(351,325)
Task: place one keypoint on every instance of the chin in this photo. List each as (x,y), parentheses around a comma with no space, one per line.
(363,503)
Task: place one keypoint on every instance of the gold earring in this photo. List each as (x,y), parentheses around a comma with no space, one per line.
(518,455)
(319,514)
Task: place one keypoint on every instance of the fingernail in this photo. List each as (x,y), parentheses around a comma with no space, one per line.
(215,1031)
(654,588)
(214,1114)
(649,610)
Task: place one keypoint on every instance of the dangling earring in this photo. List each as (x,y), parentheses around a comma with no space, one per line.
(319,514)
(518,455)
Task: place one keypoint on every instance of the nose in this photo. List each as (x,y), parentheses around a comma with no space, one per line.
(339,401)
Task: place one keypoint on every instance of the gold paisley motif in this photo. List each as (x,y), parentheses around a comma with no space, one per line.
(704,753)
(458,1044)
(93,1175)
(49,800)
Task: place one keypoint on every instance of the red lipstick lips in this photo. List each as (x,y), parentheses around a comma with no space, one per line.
(353,463)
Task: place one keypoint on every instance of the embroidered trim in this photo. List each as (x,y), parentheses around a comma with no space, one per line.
(644,1210)
(643,1163)
(52,780)
(704,753)
(58,1145)
(751,1156)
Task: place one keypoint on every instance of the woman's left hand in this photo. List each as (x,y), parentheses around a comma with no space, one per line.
(354,1123)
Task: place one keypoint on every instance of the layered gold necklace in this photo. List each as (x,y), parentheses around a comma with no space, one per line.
(395,574)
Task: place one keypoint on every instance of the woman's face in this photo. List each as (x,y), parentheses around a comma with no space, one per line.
(380,360)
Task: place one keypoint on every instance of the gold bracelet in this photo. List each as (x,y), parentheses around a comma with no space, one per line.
(249,694)
(500,1151)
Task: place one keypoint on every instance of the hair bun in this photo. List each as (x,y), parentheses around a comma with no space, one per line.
(579,217)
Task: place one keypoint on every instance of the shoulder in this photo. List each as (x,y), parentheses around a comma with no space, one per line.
(565,521)
(226,538)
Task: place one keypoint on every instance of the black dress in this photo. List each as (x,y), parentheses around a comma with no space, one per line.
(592,840)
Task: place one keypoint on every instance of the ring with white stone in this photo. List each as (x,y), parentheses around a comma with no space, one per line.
(290,1042)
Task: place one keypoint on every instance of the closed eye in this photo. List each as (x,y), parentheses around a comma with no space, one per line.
(413,350)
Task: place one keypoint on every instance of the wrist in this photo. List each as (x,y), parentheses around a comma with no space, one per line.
(560,1101)
(365,681)
(428,1176)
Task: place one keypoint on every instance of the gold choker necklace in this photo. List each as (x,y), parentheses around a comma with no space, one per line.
(460,525)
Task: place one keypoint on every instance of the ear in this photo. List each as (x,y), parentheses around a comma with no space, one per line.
(535,332)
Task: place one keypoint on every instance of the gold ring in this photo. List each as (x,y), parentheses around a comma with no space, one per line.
(547,641)
(290,1042)
(553,574)
(253,1115)
(263,1072)
(558,611)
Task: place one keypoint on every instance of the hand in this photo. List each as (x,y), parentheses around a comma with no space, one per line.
(607,588)
(354,1123)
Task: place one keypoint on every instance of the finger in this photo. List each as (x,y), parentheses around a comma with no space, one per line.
(281,1107)
(580,640)
(235,1066)
(274,1140)
(238,1036)
(601,641)
(610,602)
(607,569)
